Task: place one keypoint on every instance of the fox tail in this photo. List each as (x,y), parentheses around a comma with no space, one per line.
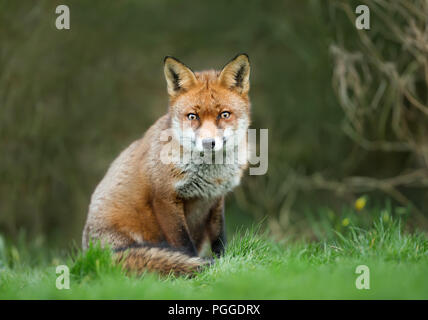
(162,260)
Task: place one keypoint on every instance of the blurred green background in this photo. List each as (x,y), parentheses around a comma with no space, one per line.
(71,100)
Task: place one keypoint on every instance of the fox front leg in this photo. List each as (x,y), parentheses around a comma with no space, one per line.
(216,228)
(170,216)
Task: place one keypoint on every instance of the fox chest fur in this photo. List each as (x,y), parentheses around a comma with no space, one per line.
(201,188)
(208,181)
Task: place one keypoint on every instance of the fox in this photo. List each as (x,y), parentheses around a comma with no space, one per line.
(163,216)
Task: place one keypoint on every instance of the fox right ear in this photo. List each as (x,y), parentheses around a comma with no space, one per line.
(236,74)
(178,76)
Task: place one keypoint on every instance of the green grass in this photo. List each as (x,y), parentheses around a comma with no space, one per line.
(254,267)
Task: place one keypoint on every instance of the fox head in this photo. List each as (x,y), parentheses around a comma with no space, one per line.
(210,108)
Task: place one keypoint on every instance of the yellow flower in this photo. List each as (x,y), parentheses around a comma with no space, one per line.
(360,203)
(15,254)
(385,216)
(97,265)
(345,222)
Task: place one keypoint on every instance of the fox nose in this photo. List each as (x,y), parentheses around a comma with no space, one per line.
(208,143)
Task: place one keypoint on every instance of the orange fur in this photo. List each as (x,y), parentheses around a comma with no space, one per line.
(142,203)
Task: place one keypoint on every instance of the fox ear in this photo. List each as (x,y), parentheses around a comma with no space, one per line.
(178,76)
(236,74)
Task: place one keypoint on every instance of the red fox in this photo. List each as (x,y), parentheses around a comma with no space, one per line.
(158,215)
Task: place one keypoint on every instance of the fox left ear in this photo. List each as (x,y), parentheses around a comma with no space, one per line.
(178,76)
(236,74)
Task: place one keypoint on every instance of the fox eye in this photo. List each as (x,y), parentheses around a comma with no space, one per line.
(192,116)
(225,115)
